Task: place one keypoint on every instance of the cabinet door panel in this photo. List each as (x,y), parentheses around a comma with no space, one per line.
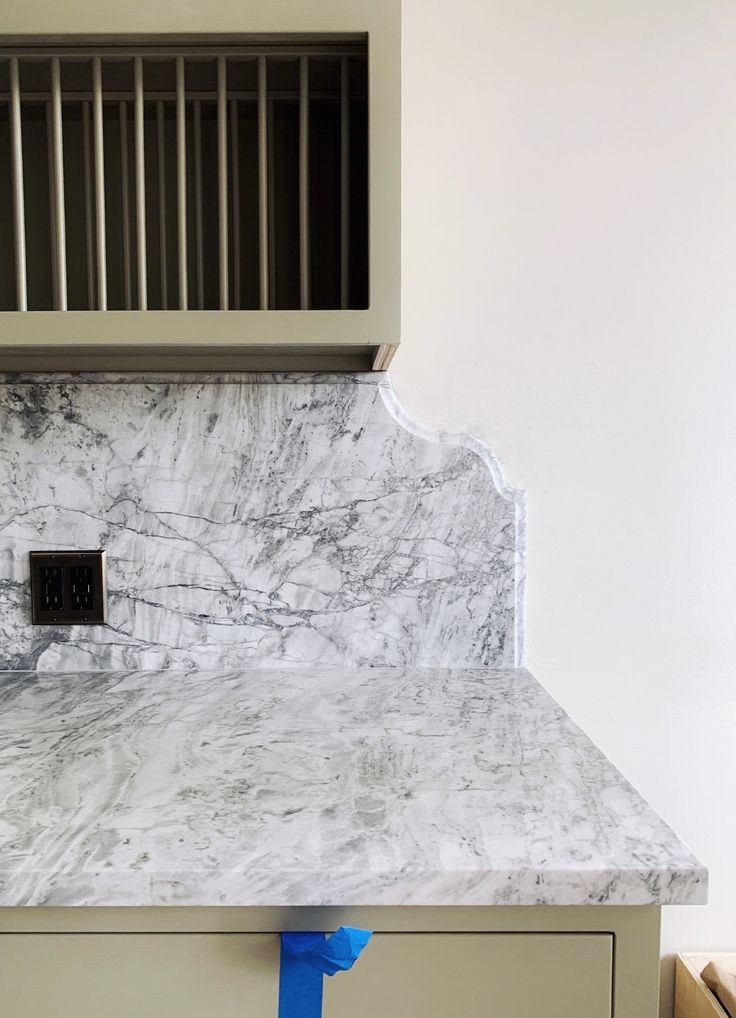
(469,975)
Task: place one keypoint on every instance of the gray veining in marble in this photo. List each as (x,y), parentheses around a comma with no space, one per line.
(256,520)
(318,787)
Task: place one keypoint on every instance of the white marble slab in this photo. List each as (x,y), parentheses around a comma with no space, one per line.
(317,787)
(256,520)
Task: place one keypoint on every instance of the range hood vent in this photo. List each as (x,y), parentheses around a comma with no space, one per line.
(159,177)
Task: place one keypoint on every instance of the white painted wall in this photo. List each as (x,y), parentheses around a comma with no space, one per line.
(570,297)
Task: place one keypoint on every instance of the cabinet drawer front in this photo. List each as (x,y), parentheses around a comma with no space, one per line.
(401,975)
(477,975)
(132,975)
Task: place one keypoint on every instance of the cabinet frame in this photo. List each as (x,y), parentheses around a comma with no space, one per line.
(230,340)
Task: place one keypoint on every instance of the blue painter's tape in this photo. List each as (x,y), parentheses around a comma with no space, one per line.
(305,958)
(300,984)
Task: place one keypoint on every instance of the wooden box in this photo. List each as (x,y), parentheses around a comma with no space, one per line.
(693,999)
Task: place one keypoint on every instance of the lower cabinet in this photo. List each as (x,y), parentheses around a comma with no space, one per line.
(235,975)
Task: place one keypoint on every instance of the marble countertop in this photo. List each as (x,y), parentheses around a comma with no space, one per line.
(318,787)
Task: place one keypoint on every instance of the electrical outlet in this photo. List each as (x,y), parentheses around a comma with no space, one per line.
(52,589)
(83,586)
(68,588)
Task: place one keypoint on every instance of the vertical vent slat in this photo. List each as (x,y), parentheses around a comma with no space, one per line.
(198,216)
(99,146)
(344,182)
(304,266)
(89,216)
(52,208)
(59,210)
(222,177)
(271,203)
(235,177)
(125,205)
(19,206)
(161,168)
(263,191)
(140,183)
(181,181)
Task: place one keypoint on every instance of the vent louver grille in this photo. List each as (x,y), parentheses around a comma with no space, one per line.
(184,177)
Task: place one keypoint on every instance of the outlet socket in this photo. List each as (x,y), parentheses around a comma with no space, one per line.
(68,588)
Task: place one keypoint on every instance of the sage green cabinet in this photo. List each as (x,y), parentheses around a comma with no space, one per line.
(477,975)
(235,975)
(197,186)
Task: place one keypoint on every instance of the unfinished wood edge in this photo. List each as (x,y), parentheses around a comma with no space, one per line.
(383,356)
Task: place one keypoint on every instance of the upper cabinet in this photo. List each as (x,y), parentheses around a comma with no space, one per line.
(191,186)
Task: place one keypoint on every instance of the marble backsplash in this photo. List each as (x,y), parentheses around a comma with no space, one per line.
(256,520)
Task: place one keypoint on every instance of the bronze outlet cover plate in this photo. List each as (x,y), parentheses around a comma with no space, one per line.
(68,588)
